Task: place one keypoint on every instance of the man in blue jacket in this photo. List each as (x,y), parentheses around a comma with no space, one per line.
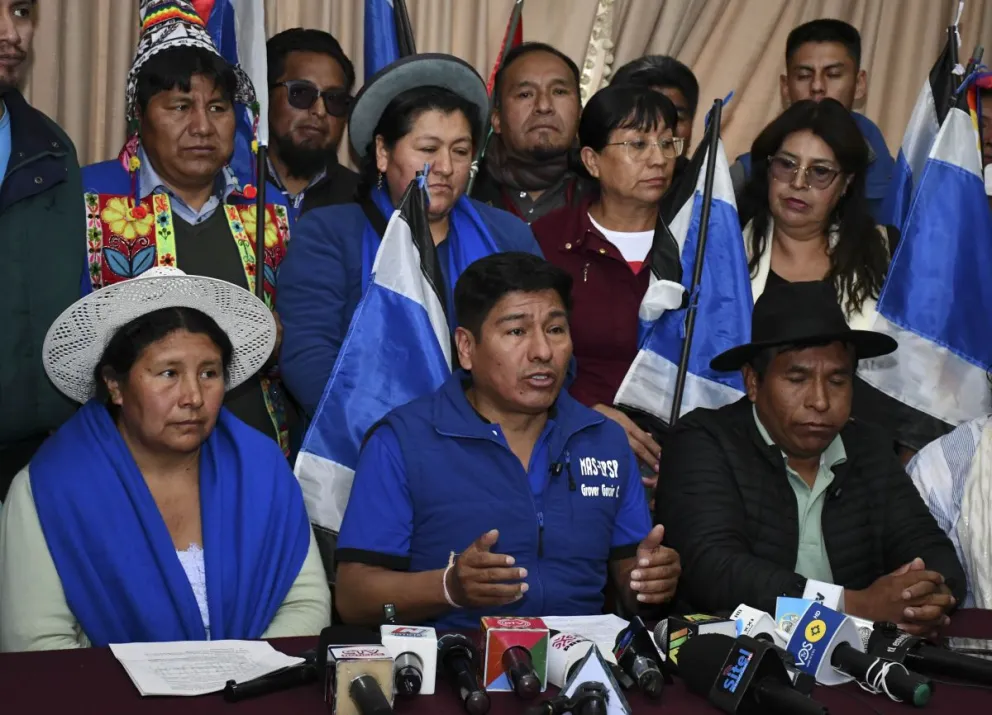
(499,493)
(823,59)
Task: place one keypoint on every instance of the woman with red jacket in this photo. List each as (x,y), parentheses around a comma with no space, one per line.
(606,242)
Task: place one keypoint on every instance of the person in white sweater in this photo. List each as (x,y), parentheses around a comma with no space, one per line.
(154,514)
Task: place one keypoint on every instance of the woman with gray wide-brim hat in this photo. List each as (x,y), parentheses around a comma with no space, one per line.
(426,110)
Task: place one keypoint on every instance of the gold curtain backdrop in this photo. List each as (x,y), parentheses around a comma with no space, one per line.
(83,49)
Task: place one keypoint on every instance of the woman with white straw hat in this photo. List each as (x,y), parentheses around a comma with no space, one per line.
(422,110)
(154,514)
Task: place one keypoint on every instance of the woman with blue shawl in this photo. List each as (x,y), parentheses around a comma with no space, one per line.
(154,514)
(424,110)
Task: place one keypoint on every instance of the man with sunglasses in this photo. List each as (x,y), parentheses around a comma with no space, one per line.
(310,80)
(823,59)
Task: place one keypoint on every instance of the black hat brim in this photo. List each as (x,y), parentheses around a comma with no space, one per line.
(423,70)
(867,344)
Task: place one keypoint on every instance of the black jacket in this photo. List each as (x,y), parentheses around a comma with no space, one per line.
(337,187)
(42,232)
(729,511)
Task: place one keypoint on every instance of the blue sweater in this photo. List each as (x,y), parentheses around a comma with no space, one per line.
(320,285)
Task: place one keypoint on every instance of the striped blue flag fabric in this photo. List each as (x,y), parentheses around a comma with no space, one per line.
(388,34)
(936,298)
(399,321)
(723,297)
(929,112)
(237,28)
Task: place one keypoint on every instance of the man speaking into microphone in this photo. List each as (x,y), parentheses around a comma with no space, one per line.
(499,494)
(778,491)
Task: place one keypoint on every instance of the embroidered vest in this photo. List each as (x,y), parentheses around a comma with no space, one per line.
(121,246)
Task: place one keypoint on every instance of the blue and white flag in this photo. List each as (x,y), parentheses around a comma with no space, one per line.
(388,34)
(400,321)
(928,114)
(937,296)
(723,297)
(237,28)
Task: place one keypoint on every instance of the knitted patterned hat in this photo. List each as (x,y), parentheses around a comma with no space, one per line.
(166,24)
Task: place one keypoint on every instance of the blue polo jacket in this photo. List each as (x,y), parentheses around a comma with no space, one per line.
(434,476)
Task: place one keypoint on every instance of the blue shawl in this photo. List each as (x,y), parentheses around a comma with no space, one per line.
(468,240)
(115,557)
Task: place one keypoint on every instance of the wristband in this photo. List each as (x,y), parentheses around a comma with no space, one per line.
(444,581)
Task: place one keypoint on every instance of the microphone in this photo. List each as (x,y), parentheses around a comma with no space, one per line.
(815,637)
(358,680)
(888,642)
(565,653)
(761,626)
(457,655)
(590,699)
(742,676)
(590,690)
(827,645)
(638,657)
(414,651)
(282,679)
(520,668)
(882,675)
(672,632)
(516,657)
(755,623)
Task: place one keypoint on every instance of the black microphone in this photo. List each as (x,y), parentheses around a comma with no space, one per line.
(519,667)
(282,679)
(638,657)
(742,676)
(890,643)
(589,699)
(367,695)
(458,656)
(314,665)
(357,670)
(895,681)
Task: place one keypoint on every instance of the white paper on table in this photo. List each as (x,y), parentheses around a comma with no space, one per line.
(601,630)
(197,667)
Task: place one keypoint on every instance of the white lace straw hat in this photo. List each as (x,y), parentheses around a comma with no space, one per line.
(78,338)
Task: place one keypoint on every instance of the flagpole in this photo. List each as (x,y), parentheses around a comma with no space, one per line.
(261,171)
(404,30)
(697,272)
(952,40)
(511,32)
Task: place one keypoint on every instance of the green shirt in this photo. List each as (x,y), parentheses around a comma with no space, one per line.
(811,558)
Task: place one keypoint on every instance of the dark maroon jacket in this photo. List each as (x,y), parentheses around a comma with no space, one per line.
(606,296)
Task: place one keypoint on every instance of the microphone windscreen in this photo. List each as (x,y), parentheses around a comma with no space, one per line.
(700,660)
(661,636)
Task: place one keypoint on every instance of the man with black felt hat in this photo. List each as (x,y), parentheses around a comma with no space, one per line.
(783,486)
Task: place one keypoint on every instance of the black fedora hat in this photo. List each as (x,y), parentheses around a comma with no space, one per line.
(801,314)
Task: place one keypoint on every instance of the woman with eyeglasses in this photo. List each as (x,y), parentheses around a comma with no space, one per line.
(806,218)
(607,242)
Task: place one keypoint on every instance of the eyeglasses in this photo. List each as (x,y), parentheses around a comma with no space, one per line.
(816,176)
(638,150)
(303,94)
